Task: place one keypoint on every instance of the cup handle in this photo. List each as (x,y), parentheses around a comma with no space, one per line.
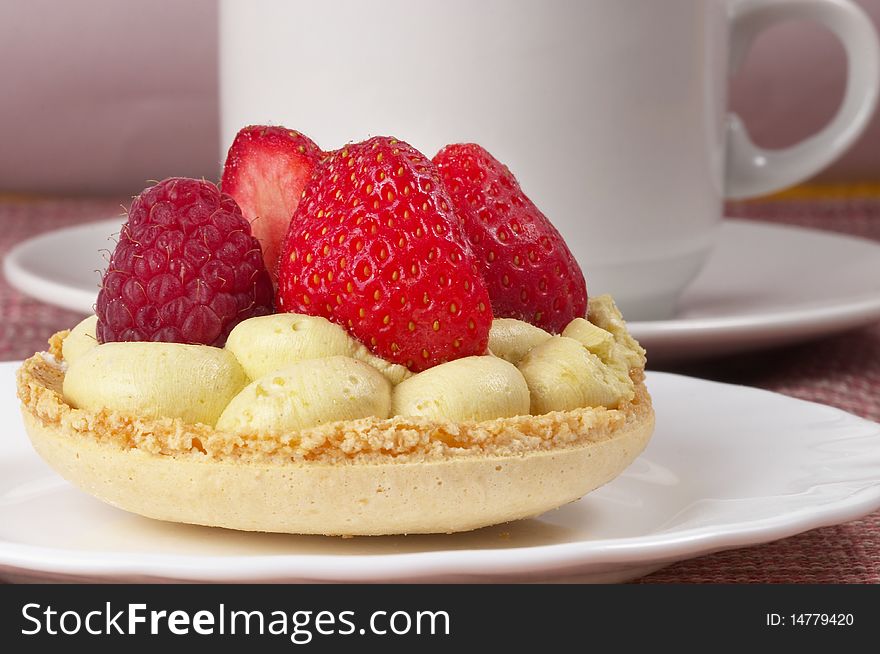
(751,170)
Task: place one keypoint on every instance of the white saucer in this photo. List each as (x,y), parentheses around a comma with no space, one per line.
(728,466)
(768,285)
(765,285)
(63,267)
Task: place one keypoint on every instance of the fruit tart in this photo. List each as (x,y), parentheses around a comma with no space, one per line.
(357,342)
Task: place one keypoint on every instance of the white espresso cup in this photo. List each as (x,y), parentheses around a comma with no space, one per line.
(611,113)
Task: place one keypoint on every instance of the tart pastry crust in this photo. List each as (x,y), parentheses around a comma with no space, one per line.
(362,477)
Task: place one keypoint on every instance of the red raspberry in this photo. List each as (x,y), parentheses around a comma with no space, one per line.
(185,270)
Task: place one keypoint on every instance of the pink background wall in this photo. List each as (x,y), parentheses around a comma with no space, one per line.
(101,95)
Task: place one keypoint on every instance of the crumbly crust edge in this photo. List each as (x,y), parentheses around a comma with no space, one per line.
(370,440)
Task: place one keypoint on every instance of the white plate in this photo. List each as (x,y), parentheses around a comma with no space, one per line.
(765,285)
(728,466)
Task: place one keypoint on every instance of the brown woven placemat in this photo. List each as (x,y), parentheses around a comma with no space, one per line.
(842,371)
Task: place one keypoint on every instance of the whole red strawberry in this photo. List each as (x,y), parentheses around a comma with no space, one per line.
(529,271)
(375,247)
(266,171)
(185,270)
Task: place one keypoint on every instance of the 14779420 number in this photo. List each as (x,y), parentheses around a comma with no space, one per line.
(821,619)
(810,620)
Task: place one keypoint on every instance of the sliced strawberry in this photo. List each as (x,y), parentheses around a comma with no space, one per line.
(529,271)
(266,171)
(375,247)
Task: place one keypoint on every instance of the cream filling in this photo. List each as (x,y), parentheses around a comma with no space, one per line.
(289,372)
